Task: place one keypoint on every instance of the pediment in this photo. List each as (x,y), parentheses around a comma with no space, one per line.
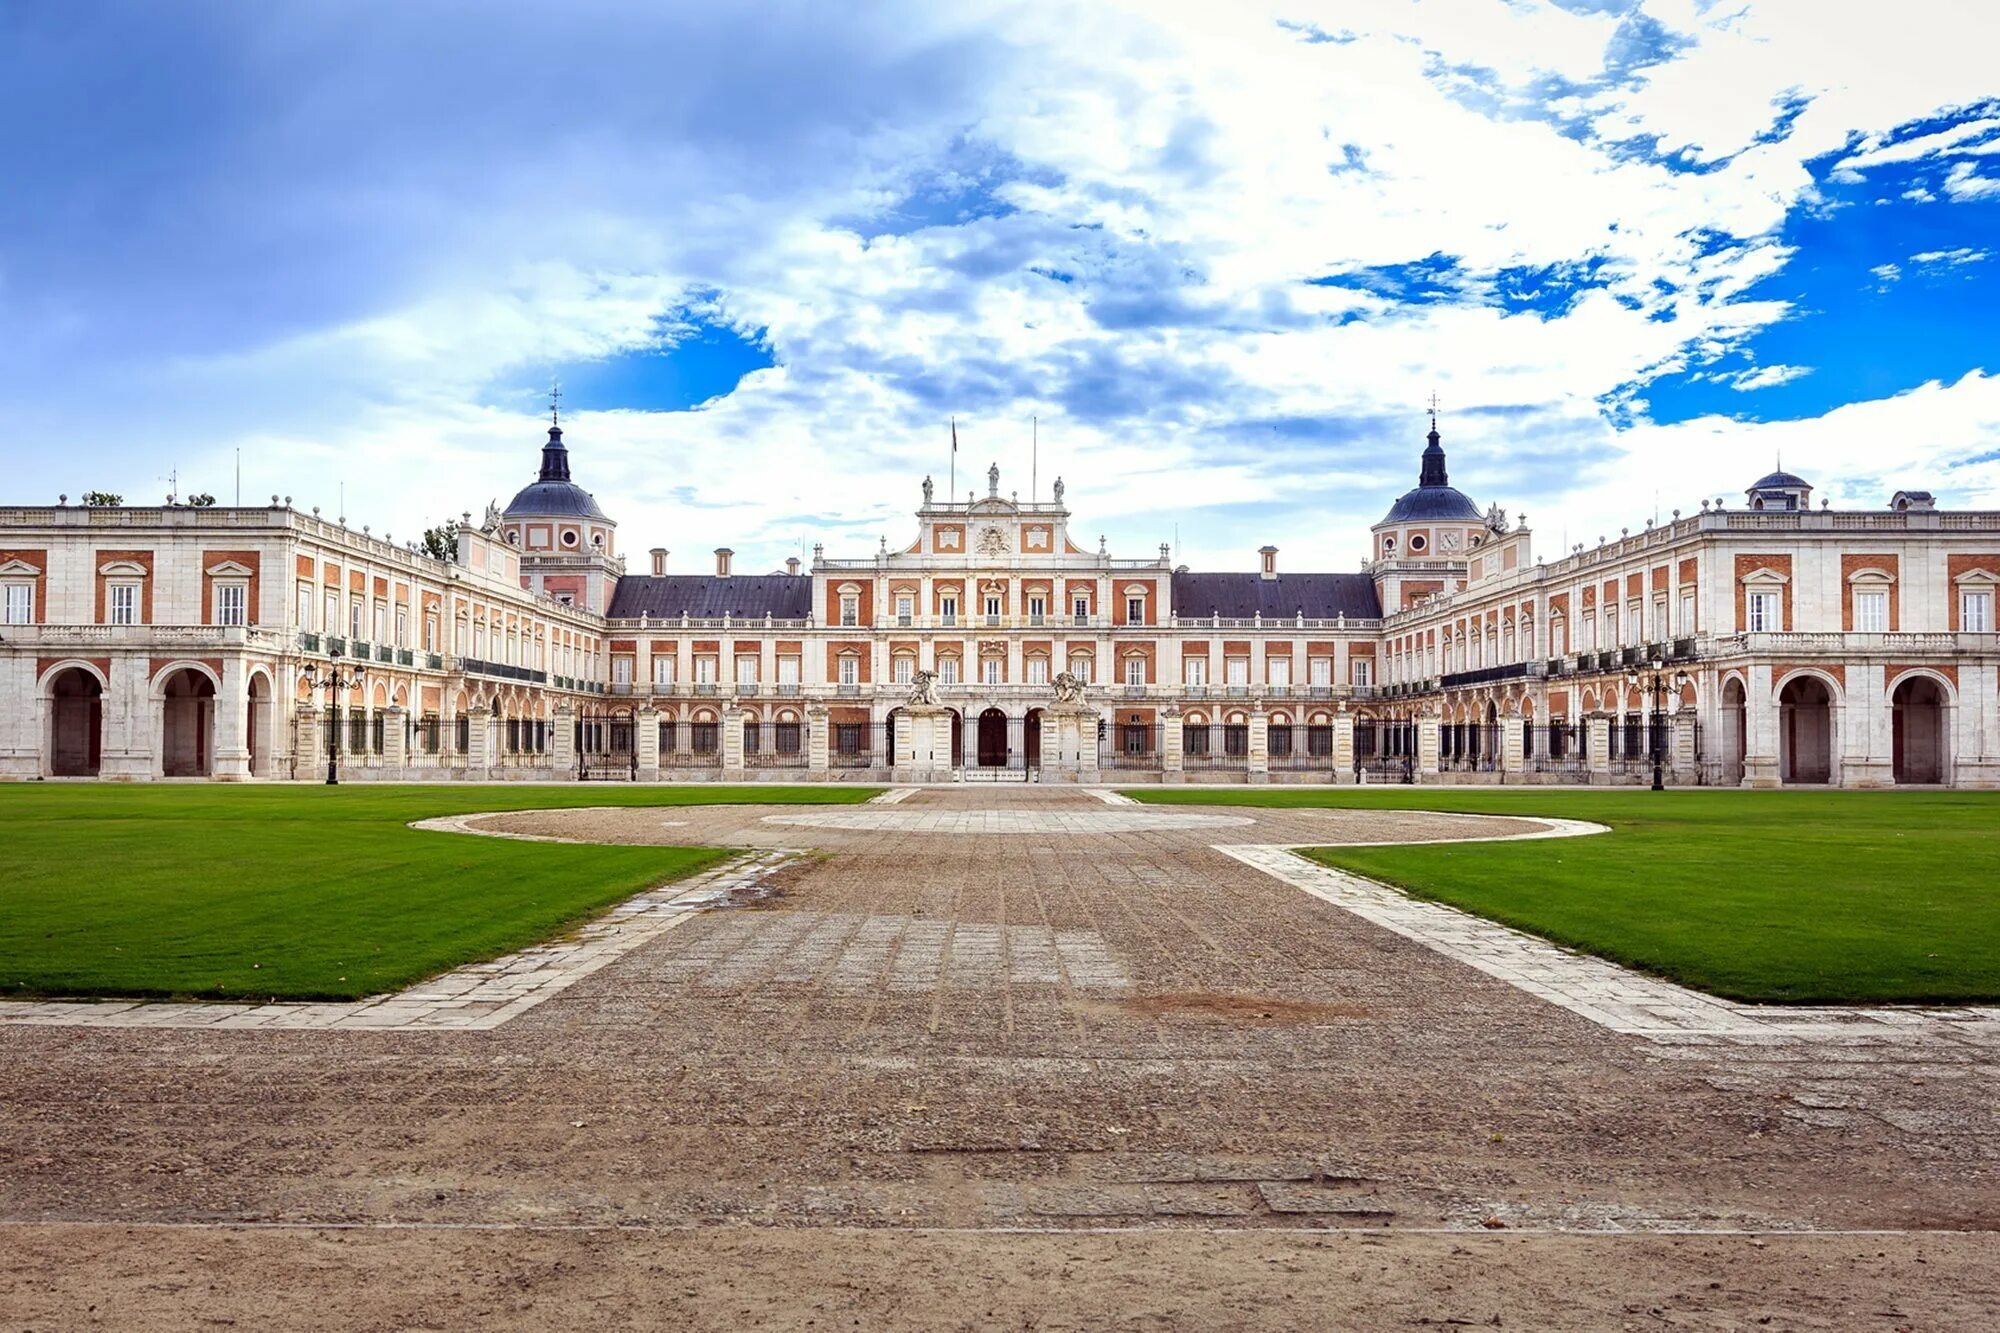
(123,569)
(18,569)
(229,569)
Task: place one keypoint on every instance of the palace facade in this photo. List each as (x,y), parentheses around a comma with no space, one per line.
(1762,643)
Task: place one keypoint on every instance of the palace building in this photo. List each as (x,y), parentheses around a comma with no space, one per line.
(1764,642)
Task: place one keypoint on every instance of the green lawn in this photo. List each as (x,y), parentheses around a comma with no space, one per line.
(252,892)
(1786,897)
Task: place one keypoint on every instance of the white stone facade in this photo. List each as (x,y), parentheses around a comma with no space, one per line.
(1795,645)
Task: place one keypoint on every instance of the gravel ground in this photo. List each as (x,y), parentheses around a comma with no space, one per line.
(953,1035)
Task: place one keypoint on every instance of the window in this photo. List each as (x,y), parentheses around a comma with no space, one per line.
(402,628)
(1038,608)
(305,606)
(1588,641)
(850,670)
(1687,613)
(381,623)
(1764,612)
(1975,612)
(1871,611)
(663,670)
(788,671)
(1659,620)
(992,608)
(1239,671)
(948,608)
(904,613)
(850,609)
(989,670)
(231,602)
(1038,671)
(1320,670)
(20,603)
(1611,639)
(1196,670)
(1361,668)
(704,671)
(124,603)
(354,620)
(1135,671)
(905,669)
(746,670)
(1135,610)
(1280,669)
(948,671)
(1079,666)
(621,671)
(1080,604)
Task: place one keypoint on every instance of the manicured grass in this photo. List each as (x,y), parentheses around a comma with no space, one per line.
(1785,897)
(226,892)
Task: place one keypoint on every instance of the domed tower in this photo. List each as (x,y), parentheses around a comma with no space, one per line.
(1420,544)
(1780,490)
(568,544)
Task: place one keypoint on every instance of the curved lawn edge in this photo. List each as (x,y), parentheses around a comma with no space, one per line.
(1779,897)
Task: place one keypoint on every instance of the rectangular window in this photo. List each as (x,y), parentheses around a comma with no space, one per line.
(992,608)
(1080,668)
(1588,642)
(1081,606)
(1764,609)
(663,669)
(621,671)
(381,623)
(905,670)
(1871,612)
(1321,669)
(1611,639)
(1135,671)
(1362,669)
(1135,610)
(1975,612)
(1659,620)
(1239,671)
(704,670)
(1038,671)
(788,671)
(904,612)
(746,670)
(332,621)
(850,670)
(948,671)
(20,603)
(354,620)
(1281,671)
(124,603)
(1196,669)
(948,609)
(1038,609)
(850,610)
(1687,613)
(402,628)
(430,634)
(989,670)
(231,599)
(305,606)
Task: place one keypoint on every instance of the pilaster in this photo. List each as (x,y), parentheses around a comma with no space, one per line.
(1173,745)
(562,740)
(1428,745)
(818,742)
(395,740)
(1597,745)
(647,739)
(1259,765)
(1343,746)
(479,743)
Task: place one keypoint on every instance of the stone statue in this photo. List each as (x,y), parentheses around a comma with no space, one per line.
(924,688)
(1496,518)
(927,492)
(1059,490)
(492,516)
(1069,688)
(993,482)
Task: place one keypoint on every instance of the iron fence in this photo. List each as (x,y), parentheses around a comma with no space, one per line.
(1224,745)
(779,745)
(1130,745)
(690,744)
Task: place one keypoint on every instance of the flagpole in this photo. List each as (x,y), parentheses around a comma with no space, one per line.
(951,487)
(1034,460)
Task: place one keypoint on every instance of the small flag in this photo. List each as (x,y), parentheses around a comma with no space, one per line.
(954,434)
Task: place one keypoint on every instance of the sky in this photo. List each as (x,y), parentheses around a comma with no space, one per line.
(1207,263)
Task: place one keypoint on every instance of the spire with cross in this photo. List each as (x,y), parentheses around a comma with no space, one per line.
(555,401)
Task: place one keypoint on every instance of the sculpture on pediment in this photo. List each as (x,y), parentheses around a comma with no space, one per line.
(1496,518)
(1059,490)
(1069,687)
(928,489)
(492,520)
(924,688)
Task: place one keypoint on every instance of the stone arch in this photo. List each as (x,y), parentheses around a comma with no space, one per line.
(1920,707)
(260,725)
(1806,703)
(73,703)
(186,693)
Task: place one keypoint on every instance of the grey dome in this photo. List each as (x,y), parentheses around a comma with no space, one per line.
(552,494)
(1779,481)
(1435,497)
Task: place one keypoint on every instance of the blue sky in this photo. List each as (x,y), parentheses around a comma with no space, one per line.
(1638,248)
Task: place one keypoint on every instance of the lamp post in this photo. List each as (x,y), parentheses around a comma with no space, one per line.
(1653,681)
(333,682)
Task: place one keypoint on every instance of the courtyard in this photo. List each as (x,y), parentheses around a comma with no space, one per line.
(999,1058)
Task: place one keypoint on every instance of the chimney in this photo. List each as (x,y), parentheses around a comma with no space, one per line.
(1269,565)
(659,562)
(792,566)
(722,555)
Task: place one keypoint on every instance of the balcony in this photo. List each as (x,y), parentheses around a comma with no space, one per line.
(308,643)
(746,689)
(473,666)
(404,657)
(336,647)
(360,649)
(384,653)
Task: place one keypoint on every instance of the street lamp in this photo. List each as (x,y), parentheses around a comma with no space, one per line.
(1654,682)
(333,682)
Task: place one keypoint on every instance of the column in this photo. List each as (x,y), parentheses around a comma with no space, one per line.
(1260,744)
(562,740)
(1866,735)
(1682,763)
(1173,757)
(1428,745)
(817,741)
(132,721)
(905,741)
(308,747)
(647,720)
(1597,741)
(1343,746)
(732,741)
(1760,730)
(1513,753)
(395,740)
(479,744)
(232,742)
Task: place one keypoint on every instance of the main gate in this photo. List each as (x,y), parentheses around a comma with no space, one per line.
(607,747)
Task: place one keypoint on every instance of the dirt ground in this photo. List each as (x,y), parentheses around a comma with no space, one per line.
(1041,1076)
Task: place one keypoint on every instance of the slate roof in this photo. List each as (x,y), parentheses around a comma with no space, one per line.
(742,596)
(1778,481)
(1240,596)
(1431,503)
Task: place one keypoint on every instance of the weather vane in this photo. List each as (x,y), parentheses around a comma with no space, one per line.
(555,401)
(1434,409)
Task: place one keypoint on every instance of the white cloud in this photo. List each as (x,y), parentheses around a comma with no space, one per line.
(1765,377)
(1965,182)
(1956,257)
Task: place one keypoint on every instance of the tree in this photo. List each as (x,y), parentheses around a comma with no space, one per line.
(202,501)
(441,542)
(102,500)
